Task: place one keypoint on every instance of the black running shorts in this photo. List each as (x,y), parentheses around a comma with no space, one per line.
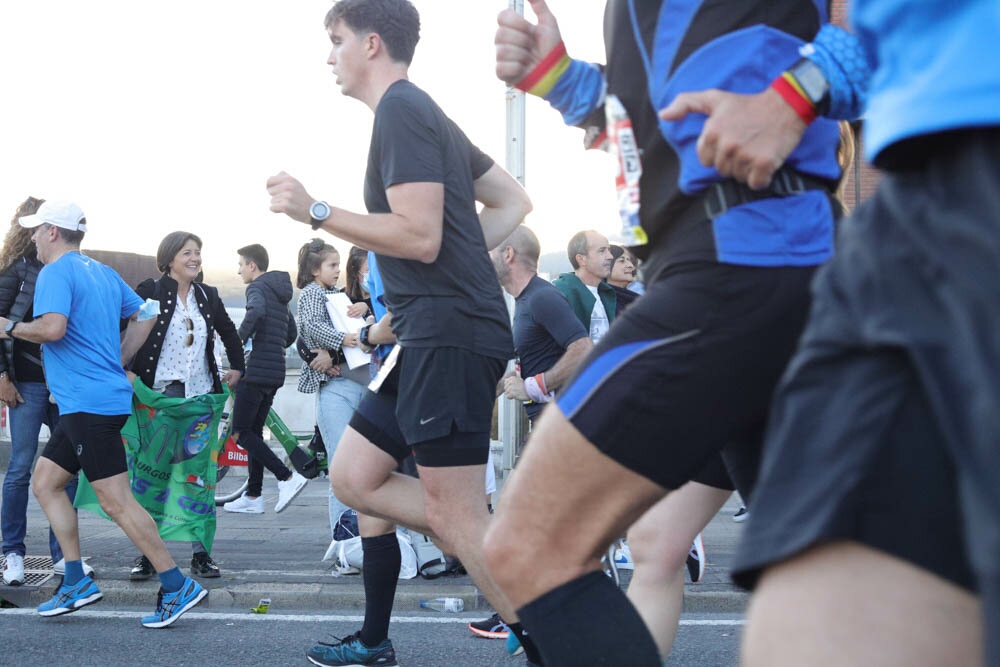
(88,442)
(885,430)
(688,370)
(439,401)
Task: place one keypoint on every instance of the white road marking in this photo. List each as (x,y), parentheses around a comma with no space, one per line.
(325,618)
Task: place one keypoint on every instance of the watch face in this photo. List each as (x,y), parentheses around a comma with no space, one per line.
(319,211)
(811,78)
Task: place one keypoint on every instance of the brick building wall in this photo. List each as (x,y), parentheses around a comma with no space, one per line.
(862,178)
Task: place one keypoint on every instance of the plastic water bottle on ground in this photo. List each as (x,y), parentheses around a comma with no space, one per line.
(443,604)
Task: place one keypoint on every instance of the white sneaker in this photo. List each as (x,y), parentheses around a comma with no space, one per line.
(288,489)
(60,568)
(623,557)
(13,569)
(245,505)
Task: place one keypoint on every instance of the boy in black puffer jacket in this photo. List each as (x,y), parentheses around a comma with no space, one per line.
(269,328)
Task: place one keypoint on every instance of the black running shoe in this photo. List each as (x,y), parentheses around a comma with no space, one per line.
(141,570)
(491,628)
(742,514)
(203,566)
(696,560)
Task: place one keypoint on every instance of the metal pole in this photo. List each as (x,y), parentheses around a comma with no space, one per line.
(858,157)
(511,417)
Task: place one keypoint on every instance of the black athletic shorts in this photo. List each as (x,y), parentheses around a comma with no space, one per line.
(886,428)
(88,442)
(687,372)
(439,401)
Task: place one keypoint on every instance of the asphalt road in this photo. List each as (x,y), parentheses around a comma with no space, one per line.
(104,635)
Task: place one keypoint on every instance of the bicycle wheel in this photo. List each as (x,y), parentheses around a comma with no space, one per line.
(228,487)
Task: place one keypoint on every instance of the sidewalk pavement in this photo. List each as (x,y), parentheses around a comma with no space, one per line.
(277,556)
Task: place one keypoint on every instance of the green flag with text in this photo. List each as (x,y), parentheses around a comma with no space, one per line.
(172,446)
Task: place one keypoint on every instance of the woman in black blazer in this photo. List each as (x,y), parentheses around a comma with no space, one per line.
(178,357)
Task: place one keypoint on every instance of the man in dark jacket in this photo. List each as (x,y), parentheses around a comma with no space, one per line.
(591,298)
(267,329)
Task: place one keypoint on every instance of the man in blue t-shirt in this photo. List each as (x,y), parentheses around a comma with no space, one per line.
(549,339)
(423,184)
(78,305)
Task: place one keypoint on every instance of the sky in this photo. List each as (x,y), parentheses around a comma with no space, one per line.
(166,116)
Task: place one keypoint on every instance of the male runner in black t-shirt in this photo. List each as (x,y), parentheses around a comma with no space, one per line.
(423,180)
(549,338)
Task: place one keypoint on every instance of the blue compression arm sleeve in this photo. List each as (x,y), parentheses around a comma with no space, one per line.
(843,60)
(579,91)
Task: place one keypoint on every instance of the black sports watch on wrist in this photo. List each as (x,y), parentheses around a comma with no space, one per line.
(9,329)
(318,213)
(813,83)
(366,345)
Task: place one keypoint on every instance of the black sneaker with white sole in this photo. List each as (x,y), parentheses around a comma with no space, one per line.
(490,628)
(696,560)
(203,566)
(141,570)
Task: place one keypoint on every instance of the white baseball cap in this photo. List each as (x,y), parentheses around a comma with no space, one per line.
(64,214)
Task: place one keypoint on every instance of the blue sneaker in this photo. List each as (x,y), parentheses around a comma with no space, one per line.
(350,652)
(71,598)
(513,645)
(170,606)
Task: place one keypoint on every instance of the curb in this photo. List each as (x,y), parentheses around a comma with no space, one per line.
(327,596)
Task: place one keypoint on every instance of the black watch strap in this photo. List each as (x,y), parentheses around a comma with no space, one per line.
(319,212)
(363,336)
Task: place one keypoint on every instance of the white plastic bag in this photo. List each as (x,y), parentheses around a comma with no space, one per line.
(408,561)
(350,556)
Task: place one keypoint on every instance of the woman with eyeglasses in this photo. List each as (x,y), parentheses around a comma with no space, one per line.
(621,278)
(178,357)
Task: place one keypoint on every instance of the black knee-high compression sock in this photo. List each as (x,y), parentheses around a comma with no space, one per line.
(530,649)
(380,574)
(589,622)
